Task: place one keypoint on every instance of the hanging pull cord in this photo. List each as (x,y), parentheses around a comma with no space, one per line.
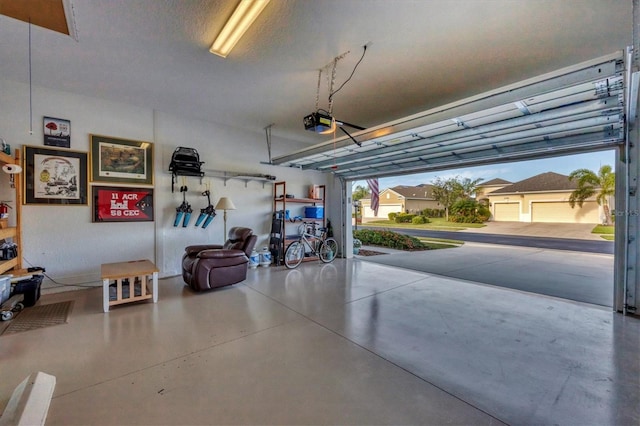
(331,92)
(318,90)
(333,80)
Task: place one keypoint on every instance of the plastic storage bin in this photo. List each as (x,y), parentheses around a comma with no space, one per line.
(5,288)
(30,288)
(315,212)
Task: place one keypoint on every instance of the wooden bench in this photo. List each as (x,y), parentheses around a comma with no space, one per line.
(130,282)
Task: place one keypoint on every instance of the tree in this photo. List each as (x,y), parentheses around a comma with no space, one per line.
(360,192)
(469,187)
(469,210)
(447,192)
(602,185)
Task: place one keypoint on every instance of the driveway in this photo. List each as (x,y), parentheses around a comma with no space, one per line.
(582,277)
(573,275)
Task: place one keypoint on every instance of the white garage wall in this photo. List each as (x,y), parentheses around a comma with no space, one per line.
(65,241)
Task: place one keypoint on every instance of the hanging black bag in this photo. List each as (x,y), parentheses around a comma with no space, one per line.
(185,162)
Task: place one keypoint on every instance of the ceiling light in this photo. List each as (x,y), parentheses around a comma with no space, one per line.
(246,12)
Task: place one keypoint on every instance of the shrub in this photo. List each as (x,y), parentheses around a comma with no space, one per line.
(388,239)
(433,212)
(392,216)
(469,211)
(404,217)
(419,220)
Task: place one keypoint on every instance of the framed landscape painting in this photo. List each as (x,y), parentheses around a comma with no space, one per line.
(116,160)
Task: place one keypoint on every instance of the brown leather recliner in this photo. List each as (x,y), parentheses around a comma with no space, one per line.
(212,265)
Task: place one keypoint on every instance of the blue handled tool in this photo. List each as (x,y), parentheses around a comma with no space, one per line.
(183,212)
(208,213)
(179,214)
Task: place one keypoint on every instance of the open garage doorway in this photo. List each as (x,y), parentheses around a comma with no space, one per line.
(578,109)
(559,251)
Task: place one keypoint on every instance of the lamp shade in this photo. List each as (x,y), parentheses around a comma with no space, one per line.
(225,203)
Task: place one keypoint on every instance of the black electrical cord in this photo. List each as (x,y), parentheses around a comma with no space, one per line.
(351,137)
(352,72)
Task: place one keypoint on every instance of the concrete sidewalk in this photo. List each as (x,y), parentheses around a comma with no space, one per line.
(577,276)
(580,231)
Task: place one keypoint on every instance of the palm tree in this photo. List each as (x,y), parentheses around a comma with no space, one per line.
(602,185)
(360,192)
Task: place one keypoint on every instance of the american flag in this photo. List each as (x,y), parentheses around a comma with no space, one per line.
(375,192)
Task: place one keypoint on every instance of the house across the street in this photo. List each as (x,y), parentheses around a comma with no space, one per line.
(401,199)
(489,186)
(541,198)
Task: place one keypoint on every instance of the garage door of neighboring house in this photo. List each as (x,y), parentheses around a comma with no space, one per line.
(506,212)
(561,212)
(384,210)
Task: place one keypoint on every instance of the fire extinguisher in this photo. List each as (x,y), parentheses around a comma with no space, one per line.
(4,209)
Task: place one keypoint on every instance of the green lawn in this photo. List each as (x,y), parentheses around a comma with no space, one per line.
(436,223)
(605,231)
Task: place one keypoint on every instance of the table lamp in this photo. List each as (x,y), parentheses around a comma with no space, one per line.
(225,204)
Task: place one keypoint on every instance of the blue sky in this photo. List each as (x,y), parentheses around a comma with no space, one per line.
(512,172)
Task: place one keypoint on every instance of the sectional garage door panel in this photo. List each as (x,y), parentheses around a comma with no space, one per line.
(561,212)
(506,212)
(384,210)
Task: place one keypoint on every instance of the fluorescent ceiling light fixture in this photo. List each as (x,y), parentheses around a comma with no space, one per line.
(246,12)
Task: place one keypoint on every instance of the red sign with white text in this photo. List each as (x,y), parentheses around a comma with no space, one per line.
(122,204)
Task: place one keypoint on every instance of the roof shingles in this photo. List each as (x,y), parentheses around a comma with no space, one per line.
(548,181)
(421,191)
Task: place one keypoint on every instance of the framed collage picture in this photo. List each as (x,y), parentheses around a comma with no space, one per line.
(54,176)
(122,161)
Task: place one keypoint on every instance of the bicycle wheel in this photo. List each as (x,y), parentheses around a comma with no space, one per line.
(328,250)
(293,255)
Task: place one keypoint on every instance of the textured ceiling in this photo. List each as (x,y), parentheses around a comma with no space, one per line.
(424,54)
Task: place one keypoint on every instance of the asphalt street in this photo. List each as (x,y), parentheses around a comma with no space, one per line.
(588,246)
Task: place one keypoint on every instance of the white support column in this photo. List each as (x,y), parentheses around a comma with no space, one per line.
(348,223)
(626,276)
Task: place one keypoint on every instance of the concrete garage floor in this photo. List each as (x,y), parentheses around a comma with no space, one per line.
(351,342)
